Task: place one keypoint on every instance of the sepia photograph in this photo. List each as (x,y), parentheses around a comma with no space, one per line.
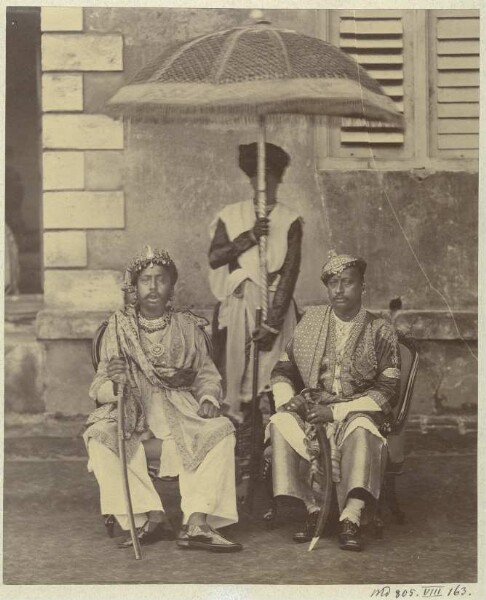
(241,301)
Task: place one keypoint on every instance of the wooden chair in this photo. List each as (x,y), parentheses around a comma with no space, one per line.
(96,344)
(409,365)
(396,439)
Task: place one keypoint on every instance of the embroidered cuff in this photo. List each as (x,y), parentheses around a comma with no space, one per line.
(105,393)
(391,373)
(211,399)
(380,399)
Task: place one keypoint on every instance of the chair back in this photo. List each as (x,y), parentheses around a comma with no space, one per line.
(409,364)
(96,344)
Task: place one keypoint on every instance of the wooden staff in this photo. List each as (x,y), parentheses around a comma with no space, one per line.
(261,312)
(254,406)
(262,213)
(123,460)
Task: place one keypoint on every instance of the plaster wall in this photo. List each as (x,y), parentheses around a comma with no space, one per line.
(418,231)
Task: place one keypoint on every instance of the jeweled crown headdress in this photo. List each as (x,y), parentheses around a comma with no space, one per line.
(148,257)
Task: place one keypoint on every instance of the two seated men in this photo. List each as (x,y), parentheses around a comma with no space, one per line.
(173,407)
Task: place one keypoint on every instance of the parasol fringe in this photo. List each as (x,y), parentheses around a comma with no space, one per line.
(248,114)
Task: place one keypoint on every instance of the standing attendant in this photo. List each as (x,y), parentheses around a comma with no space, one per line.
(235,278)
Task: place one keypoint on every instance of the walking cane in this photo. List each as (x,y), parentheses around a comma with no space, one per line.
(123,461)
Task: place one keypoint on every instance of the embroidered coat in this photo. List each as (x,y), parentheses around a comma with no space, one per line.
(179,375)
(370,363)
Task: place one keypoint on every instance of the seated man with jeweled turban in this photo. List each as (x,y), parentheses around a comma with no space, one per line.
(350,358)
(172,416)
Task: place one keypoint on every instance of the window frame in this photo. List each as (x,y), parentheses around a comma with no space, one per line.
(405,150)
(420,155)
(435,151)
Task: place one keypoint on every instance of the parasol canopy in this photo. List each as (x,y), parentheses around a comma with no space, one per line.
(250,72)
(247,74)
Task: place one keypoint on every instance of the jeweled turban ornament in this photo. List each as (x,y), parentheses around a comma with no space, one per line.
(337,263)
(147,258)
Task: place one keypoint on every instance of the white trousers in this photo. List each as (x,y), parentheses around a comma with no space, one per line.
(209,489)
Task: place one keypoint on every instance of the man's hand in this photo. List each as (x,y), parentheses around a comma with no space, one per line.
(261,227)
(320,414)
(117,370)
(208,410)
(265,338)
(296,404)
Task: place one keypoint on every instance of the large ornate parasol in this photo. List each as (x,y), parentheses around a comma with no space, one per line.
(246,74)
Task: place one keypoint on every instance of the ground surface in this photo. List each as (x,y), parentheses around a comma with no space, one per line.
(53,534)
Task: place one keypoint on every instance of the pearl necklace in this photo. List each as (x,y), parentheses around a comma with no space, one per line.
(152,325)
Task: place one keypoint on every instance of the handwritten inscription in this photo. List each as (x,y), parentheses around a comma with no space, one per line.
(422,591)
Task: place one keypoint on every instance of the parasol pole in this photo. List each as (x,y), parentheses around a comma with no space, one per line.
(262,212)
(261,311)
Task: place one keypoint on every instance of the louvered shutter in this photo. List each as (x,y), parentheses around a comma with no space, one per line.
(455,84)
(377,43)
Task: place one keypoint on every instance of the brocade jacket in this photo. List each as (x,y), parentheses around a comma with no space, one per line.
(369,364)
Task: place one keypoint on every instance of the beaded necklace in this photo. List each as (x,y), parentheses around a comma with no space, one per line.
(152,325)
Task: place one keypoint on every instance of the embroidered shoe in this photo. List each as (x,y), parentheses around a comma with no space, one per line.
(197,537)
(349,536)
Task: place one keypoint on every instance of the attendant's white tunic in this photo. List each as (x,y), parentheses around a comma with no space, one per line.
(237,314)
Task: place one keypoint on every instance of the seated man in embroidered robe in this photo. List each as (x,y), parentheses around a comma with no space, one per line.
(173,396)
(235,278)
(351,358)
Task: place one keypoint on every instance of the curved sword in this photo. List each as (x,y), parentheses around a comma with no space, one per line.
(325,456)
